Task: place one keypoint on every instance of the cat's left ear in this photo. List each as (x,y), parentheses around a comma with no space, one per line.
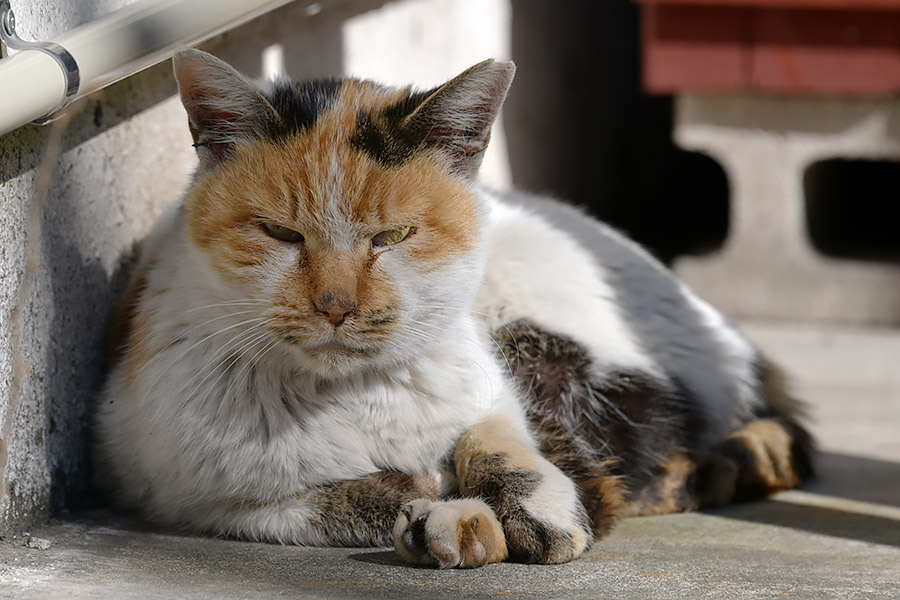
(457,116)
(223,106)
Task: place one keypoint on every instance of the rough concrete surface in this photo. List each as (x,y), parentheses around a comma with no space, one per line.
(839,537)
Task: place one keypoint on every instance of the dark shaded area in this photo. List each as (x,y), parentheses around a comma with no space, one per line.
(852,209)
(823,521)
(856,478)
(579,126)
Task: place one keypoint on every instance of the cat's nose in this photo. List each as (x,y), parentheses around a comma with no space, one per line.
(336,307)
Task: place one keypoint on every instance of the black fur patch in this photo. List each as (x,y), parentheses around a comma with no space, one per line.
(382,136)
(626,421)
(299,104)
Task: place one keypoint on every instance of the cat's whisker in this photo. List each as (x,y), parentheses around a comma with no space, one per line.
(245,341)
(220,352)
(220,356)
(234,379)
(173,361)
(244,302)
(195,328)
(258,357)
(251,363)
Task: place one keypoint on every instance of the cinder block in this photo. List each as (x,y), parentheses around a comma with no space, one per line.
(767,267)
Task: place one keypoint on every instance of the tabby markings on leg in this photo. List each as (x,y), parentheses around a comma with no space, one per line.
(522,505)
(358,512)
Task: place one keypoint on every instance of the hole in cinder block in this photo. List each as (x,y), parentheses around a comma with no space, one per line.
(853,208)
(673,202)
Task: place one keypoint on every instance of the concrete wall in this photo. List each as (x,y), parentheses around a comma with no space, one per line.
(76,197)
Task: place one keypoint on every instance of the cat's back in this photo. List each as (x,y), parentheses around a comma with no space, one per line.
(555,266)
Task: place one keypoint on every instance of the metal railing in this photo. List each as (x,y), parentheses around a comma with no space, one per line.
(45,76)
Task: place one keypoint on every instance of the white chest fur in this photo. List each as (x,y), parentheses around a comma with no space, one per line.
(263,433)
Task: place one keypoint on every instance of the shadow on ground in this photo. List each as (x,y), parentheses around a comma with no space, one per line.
(852,497)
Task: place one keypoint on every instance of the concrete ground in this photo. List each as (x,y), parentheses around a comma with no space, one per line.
(839,537)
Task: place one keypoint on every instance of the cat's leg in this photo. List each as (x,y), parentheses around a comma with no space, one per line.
(518,503)
(603,493)
(770,452)
(350,513)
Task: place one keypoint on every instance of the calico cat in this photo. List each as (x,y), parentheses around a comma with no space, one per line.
(340,338)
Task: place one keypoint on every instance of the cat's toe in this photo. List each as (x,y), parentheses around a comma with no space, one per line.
(409,532)
(456,533)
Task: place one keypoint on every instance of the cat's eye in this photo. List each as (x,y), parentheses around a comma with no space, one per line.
(282,233)
(394,236)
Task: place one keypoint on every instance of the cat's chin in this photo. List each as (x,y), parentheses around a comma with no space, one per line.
(335,359)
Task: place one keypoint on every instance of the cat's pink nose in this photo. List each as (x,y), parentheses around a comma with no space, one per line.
(336,307)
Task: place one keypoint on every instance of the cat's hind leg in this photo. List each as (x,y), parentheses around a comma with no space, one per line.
(768,453)
(520,503)
(761,458)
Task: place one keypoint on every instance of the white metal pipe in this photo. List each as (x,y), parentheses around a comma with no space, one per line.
(113,47)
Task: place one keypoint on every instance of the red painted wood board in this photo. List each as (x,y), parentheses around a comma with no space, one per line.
(689,46)
(826,51)
(813,4)
(695,47)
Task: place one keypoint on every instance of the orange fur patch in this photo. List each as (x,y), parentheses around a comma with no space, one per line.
(668,492)
(482,542)
(604,497)
(318,185)
(496,435)
(139,350)
(121,322)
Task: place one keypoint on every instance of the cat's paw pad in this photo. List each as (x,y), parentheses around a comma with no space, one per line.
(453,533)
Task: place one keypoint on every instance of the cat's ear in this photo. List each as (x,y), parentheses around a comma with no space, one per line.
(457,116)
(223,107)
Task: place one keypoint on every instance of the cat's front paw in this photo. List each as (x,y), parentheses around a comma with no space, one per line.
(452,533)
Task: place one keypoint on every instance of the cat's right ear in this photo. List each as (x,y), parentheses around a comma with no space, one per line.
(223,107)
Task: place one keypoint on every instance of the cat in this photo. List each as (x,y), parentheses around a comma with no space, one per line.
(340,338)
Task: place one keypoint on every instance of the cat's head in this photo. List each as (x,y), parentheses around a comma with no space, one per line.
(344,208)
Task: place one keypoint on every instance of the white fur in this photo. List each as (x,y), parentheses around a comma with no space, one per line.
(540,273)
(556,503)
